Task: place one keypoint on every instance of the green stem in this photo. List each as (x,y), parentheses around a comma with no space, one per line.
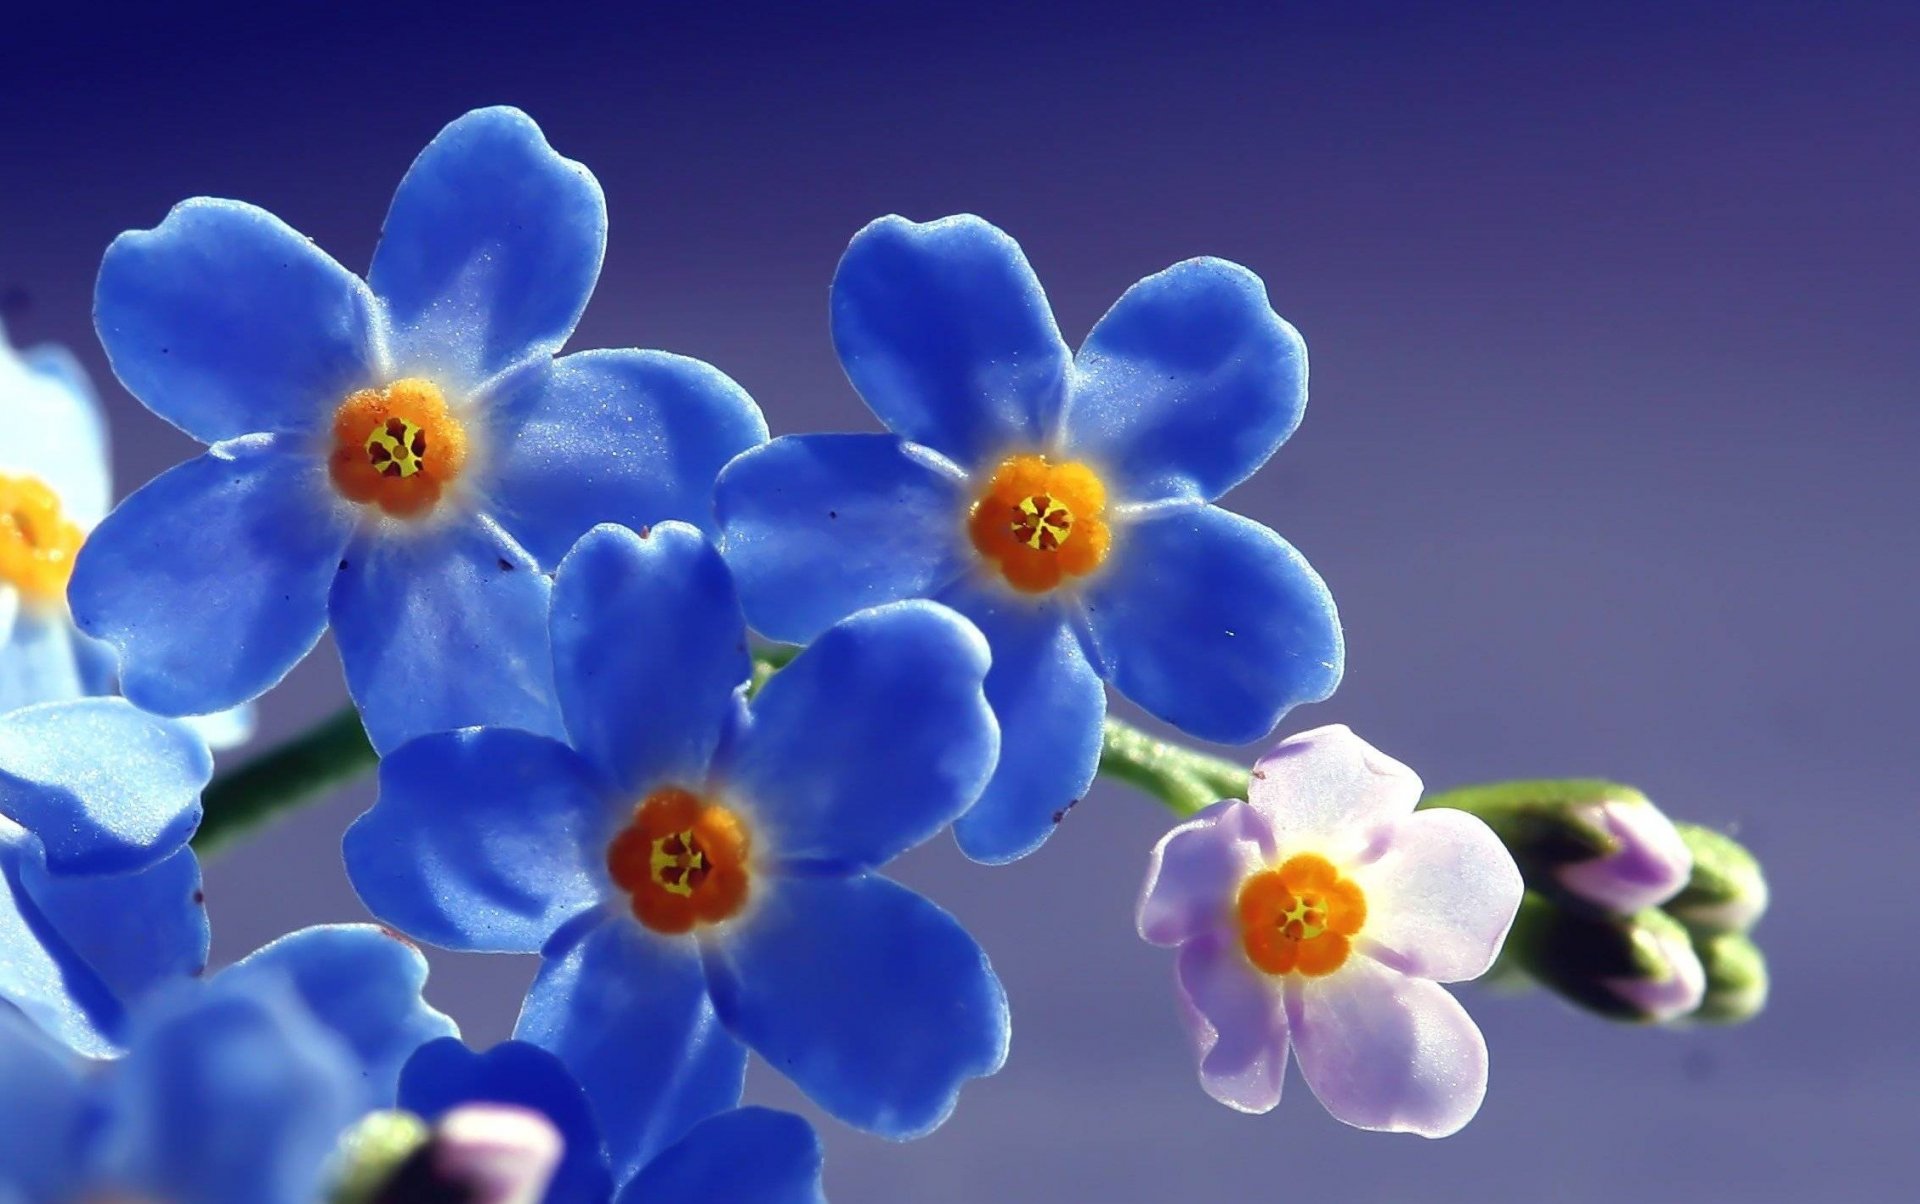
(240,800)
(1183,779)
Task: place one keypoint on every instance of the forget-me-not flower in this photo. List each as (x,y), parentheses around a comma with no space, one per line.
(400,457)
(740,1156)
(691,868)
(1062,502)
(1323,914)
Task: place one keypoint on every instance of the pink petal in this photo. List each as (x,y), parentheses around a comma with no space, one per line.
(1440,897)
(1385,1051)
(1196,871)
(1238,1022)
(1327,791)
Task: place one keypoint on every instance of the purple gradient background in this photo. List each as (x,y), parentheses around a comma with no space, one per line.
(1610,464)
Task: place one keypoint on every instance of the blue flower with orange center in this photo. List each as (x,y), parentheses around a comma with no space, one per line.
(1062,502)
(401,457)
(699,873)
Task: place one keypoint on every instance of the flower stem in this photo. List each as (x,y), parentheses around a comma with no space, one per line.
(1182,778)
(333,751)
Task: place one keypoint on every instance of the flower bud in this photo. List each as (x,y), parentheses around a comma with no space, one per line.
(1639,968)
(1726,892)
(1736,978)
(499,1154)
(1647,865)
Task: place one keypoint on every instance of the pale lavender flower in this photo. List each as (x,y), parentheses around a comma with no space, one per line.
(1321,916)
(1649,863)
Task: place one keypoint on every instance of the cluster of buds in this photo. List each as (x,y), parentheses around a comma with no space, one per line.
(1628,914)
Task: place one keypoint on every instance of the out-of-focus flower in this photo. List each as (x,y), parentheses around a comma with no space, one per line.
(683,860)
(1640,968)
(404,456)
(740,1156)
(1062,502)
(1646,865)
(1322,915)
(231,1091)
(54,487)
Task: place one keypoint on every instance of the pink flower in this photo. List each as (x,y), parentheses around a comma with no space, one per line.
(1321,916)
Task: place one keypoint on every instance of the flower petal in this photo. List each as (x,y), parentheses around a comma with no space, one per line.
(41,975)
(746,1156)
(1214,624)
(43,1114)
(1188,383)
(38,660)
(225,321)
(1196,872)
(104,785)
(1328,791)
(872,740)
(820,526)
(944,330)
(363,984)
(211,580)
(229,1097)
(1237,1022)
(51,428)
(484,839)
(1389,1052)
(648,649)
(628,437)
(875,1002)
(444,1074)
(1049,703)
(1441,896)
(444,629)
(136,933)
(490,250)
(627,1012)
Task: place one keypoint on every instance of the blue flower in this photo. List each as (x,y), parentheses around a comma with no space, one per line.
(402,457)
(1061,502)
(233,1091)
(684,859)
(740,1156)
(54,487)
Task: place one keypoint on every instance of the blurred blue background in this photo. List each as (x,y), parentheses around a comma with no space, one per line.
(1610,464)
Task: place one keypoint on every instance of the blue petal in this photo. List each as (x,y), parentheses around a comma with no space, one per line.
(648,648)
(945,331)
(746,1156)
(51,428)
(363,984)
(485,839)
(442,1075)
(627,1011)
(490,250)
(38,662)
(225,321)
(870,742)
(43,1114)
(1188,384)
(229,1097)
(444,629)
(104,785)
(628,437)
(1214,624)
(871,999)
(819,526)
(41,975)
(1049,702)
(211,580)
(137,933)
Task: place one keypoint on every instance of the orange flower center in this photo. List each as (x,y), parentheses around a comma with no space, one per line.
(681,860)
(398,448)
(1041,523)
(1301,917)
(37,541)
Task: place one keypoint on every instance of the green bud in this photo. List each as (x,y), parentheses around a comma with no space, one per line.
(1638,969)
(1736,978)
(1727,891)
(372,1152)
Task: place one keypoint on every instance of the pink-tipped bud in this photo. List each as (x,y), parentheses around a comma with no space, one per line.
(1648,865)
(499,1154)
